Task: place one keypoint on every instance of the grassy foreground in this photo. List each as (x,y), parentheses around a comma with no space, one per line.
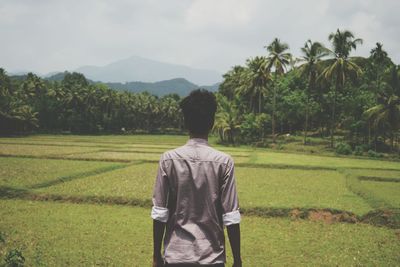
(296,207)
(61,234)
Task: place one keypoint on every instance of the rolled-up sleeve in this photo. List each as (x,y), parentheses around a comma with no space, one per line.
(229,197)
(159,210)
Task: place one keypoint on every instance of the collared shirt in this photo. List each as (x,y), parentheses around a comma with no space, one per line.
(195,194)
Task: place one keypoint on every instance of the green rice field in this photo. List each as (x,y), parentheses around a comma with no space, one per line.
(85,201)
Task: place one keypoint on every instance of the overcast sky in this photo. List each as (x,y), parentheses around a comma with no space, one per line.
(51,35)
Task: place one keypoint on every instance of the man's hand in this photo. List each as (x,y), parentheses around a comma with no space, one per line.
(158,233)
(158,261)
(234,238)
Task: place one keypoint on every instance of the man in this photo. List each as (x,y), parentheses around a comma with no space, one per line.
(195,195)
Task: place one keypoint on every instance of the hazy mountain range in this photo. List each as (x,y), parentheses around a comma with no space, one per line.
(145,70)
(137,74)
(178,86)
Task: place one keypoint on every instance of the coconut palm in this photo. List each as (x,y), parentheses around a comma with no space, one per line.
(312,52)
(341,67)
(378,54)
(255,81)
(226,119)
(278,59)
(379,58)
(386,114)
(5,92)
(233,80)
(28,117)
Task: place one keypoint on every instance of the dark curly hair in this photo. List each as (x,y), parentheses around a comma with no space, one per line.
(199,109)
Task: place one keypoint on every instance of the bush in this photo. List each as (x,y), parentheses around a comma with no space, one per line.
(374,154)
(280,145)
(2,237)
(14,258)
(358,151)
(252,127)
(343,149)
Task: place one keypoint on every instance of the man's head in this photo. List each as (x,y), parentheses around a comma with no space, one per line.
(199,109)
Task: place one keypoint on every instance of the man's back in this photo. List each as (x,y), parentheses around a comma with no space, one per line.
(195,194)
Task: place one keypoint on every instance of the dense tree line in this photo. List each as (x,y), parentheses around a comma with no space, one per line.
(326,93)
(76,106)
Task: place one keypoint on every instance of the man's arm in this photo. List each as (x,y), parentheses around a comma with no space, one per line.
(159,213)
(158,234)
(231,216)
(234,239)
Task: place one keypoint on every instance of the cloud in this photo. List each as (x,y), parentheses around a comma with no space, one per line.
(46,35)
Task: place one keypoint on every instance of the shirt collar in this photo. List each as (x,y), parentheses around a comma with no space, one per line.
(197,141)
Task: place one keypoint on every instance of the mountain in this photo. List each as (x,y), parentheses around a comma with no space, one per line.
(141,69)
(57,76)
(178,86)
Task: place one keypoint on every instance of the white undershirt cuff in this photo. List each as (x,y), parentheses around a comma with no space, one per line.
(232,217)
(160,214)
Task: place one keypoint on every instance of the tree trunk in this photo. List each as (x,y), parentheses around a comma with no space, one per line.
(221,135)
(273,111)
(369,132)
(231,139)
(333,118)
(306,123)
(308,92)
(391,141)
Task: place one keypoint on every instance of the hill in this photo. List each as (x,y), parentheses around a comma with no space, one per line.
(141,69)
(178,86)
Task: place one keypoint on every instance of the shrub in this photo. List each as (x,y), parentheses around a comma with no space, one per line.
(2,237)
(14,258)
(374,154)
(280,146)
(252,127)
(358,151)
(343,149)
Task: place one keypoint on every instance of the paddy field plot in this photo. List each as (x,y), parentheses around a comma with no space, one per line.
(376,173)
(27,172)
(132,182)
(388,193)
(41,151)
(279,188)
(267,157)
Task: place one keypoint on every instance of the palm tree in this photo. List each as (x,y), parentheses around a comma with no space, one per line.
(340,67)
(5,92)
(226,119)
(386,114)
(379,58)
(233,80)
(255,82)
(312,52)
(278,58)
(28,117)
(378,54)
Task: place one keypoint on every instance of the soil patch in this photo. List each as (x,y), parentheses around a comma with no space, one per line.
(329,217)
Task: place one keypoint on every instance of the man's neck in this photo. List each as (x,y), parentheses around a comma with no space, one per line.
(200,136)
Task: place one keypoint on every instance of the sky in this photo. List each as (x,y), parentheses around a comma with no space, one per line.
(55,35)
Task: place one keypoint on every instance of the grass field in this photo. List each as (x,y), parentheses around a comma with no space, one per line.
(85,201)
